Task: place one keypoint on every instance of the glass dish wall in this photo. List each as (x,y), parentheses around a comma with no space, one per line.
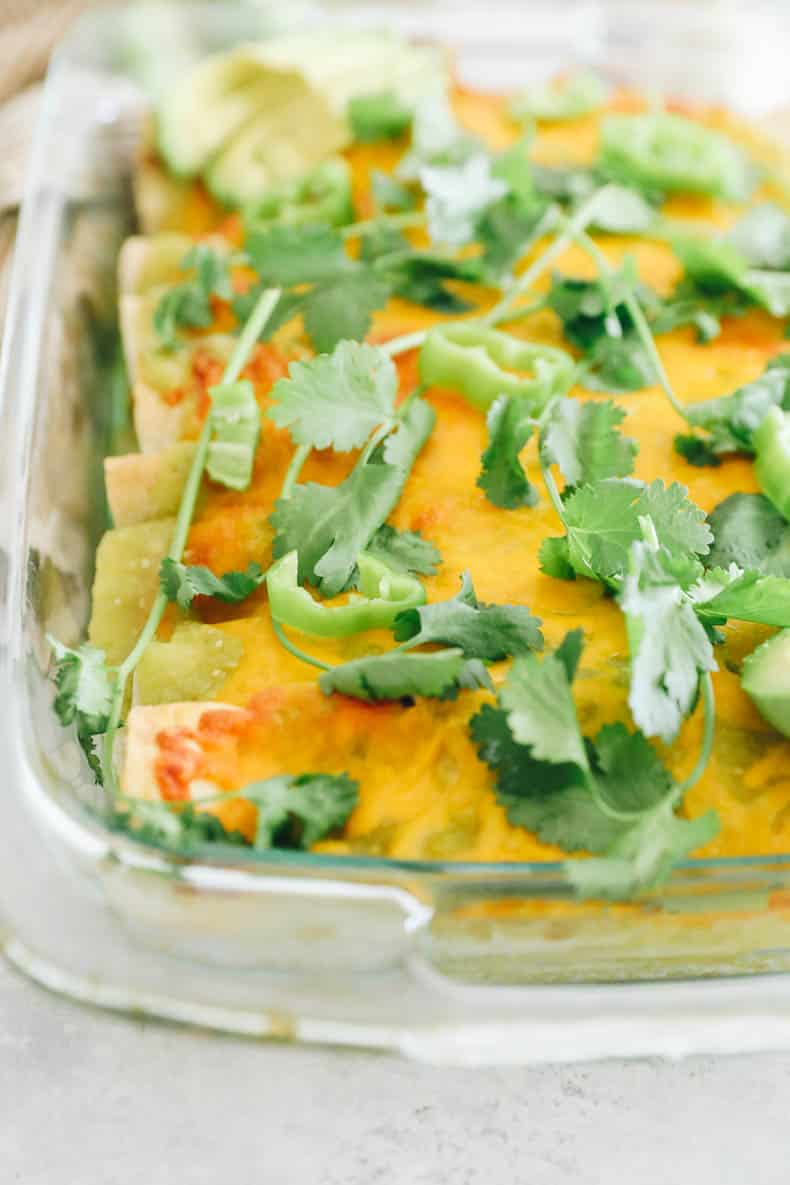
(444,961)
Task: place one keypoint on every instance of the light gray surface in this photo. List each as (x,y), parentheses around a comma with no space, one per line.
(94,1099)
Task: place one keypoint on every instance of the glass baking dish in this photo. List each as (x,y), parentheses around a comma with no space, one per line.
(450,962)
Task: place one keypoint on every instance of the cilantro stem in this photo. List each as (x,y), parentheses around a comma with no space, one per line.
(504,309)
(295,650)
(246,342)
(708,729)
(409,341)
(552,491)
(380,434)
(639,319)
(571,228)
(397,221)
(294,469)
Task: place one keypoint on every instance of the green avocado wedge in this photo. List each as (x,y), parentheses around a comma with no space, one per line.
(766,680)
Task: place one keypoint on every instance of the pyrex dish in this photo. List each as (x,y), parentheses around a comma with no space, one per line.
(446,961)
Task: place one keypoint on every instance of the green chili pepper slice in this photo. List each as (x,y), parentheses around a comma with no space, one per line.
(673,154)
(485,363)
(384,594)
(772,460)
(322,195)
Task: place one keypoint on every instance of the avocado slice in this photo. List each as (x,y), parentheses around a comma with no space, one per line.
(270,111)
(291,136)
(772,460)
(766,680)
(211,103)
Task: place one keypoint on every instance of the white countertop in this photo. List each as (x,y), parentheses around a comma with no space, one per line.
(89,1098)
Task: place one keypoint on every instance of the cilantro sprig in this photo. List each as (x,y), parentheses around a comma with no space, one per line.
(727,423)
(602,521)
(328,526)
(749,531)
(294,811)
(502,477)
(484,631)
(84,695)
(188,305)
(610,795)
(181,583)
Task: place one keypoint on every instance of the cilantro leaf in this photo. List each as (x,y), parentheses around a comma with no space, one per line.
(188,305)
(590,309)
(505,231)
(184,829)
(629,777)
(457,195)
(294,811)
(502,476)
(690,307)
(181,307)
(83,685)
(620,210)
(554,556)
(595,318)
(762,237)
(284,256)
(421,277)
(521,777)
(582,439)
(611,795)
(404,551)
(697,450)
(731,420)
(436,138)
(389,194)
(617,365)
(745,596)
(749,531)
(577,793)
(669,646)
(343,308)
(336,400)
(643,856)
(602,521)
(403,675)
(181,583)
(84,695)
(565,185)
(379,115)
(771,290)
(343,292)
(297,811)
(631,774)
(540,710)
(487,632)
(211,269)
(330,525)
(717,267)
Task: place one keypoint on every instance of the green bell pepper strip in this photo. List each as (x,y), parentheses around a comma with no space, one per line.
(485,363)
(772,460)
(322,195)
(672,154)
(384,594)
